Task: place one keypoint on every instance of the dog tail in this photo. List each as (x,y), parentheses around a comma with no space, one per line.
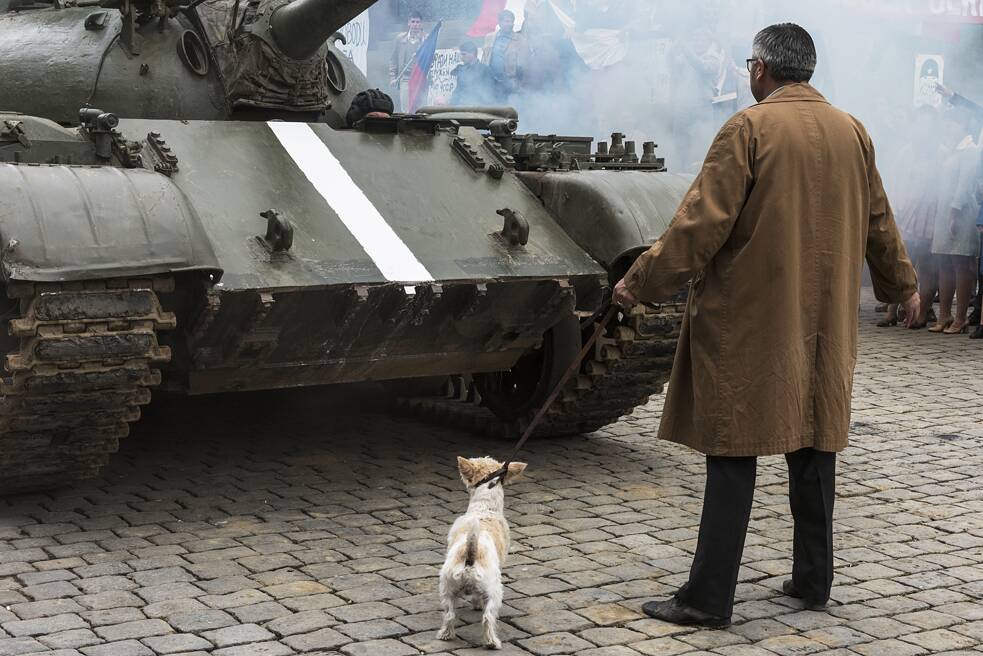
(471,551)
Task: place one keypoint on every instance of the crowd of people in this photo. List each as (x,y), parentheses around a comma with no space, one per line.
(505,67)
(936,185)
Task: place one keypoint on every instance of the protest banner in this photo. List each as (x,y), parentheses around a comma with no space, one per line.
(356,34)
(442,83)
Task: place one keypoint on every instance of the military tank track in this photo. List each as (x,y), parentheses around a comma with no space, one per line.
(85,363)
(630,362)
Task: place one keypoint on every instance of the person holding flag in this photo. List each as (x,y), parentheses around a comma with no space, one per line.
(404,54)
(416,88)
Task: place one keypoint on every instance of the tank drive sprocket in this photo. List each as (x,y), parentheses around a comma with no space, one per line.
(82,359)
(630,363)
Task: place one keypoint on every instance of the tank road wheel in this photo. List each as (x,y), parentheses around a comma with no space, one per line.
(79,363)
(519,392)
(629,363)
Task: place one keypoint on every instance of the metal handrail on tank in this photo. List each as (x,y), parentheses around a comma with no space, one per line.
(301,27)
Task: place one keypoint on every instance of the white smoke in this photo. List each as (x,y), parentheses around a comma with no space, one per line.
(640,76)
(652,68)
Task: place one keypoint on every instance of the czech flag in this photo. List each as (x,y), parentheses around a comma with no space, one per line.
(421,69)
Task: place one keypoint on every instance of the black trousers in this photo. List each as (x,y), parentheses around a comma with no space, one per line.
(723,527)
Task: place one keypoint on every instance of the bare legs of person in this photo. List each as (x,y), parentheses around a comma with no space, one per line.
(964,269)
(947,289)
(927,266)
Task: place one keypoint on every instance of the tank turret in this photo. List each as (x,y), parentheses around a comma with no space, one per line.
(170,59)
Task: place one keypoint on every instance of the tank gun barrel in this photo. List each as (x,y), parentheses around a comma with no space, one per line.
(302,26)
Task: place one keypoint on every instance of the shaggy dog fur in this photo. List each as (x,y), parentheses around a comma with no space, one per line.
(476,548)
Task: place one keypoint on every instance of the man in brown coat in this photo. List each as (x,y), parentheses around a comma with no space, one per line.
(775,229)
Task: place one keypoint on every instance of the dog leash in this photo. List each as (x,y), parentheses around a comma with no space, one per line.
(496,477)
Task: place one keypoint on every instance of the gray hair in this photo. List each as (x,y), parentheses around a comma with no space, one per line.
(787,50)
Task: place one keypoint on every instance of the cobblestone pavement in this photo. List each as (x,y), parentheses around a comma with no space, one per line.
(310,522)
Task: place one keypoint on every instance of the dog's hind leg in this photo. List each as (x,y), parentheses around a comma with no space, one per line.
(477,601)
(489,619)
(450,617)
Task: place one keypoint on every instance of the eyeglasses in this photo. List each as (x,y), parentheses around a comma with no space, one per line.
(750,63)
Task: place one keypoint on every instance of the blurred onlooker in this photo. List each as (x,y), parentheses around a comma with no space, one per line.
(401,60)
(915,192)
(548,61)
(955,240)
(978,332)
(474,81)
(501,55)
(699,65)
(973,112)
(549,71)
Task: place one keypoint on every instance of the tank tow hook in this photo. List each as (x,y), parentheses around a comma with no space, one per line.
(515,231)
(279,231)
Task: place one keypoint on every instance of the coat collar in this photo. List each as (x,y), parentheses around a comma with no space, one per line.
(796,92)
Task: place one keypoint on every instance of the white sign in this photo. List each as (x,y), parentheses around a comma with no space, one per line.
(357,36)
(929,71)
(442,83)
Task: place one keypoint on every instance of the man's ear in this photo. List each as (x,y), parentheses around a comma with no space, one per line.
(467,470)
(515,470)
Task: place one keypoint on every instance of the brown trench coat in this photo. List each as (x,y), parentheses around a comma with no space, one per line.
(776,227)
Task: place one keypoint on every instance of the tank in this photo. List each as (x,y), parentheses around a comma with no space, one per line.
(181,238)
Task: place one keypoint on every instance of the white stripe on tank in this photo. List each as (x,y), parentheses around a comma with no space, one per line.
(391,256)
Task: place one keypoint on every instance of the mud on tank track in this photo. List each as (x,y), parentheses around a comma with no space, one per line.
(86,359)
(630,362)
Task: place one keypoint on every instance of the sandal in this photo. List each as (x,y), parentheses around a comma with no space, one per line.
(940,326)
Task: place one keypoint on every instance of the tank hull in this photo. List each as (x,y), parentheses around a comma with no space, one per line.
(396,268)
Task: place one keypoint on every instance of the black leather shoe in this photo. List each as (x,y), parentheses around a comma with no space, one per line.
(789,589)
(977,333)
(675,612)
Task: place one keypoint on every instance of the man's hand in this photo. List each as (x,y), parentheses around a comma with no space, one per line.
(623,297)
(912,309)
(945,91)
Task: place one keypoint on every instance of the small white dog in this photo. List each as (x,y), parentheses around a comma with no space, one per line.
(476,548)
